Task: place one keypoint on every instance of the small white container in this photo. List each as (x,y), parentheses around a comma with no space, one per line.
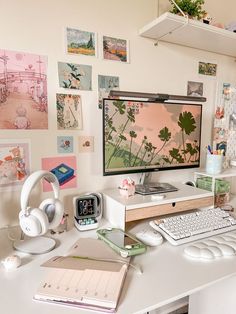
(214,163)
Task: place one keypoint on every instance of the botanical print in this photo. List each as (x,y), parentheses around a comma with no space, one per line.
(75,76)
(146,134)
(195,89)
(64,169)
(115,49)
(69,115)
(105,84)
(23,90)
(14,162)
(65,144)
(207,68)
(80,42)
(86,144)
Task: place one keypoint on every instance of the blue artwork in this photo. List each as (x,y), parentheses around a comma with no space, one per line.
(65,144)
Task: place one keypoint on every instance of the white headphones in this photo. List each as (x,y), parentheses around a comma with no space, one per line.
(36,221)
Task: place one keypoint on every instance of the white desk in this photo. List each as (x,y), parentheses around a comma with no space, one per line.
(168,276)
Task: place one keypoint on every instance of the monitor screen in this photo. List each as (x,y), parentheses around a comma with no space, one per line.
(141,136)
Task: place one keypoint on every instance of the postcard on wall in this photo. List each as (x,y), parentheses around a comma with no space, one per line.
(23,90)
(75,76)
(195,89)
(105,84)
(69,112)
(86,144)
(14,162)
(64,169)
(80,42)
(206,68)
(65,144)
(115,49)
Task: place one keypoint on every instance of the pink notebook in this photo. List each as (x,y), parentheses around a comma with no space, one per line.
(91,276)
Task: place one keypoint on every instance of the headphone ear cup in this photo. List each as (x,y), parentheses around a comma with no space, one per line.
(54,211)
(34,223)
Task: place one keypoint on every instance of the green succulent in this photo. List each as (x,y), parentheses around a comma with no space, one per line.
(191,7)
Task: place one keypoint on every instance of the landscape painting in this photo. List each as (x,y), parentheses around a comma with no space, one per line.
(80,42)
(69,115)
(75,76)
(140,135)
(115,49)
(23,90)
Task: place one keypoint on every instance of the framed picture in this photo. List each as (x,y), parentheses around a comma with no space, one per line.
(105,84)
(206,68)
(75,76)
(115,49)
(69,112)
(81,42)
(65,144)
(14,162)
(23,90)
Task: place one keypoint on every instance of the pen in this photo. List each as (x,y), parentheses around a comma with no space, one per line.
(209,149)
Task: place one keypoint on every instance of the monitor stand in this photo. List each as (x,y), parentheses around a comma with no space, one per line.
(147,188)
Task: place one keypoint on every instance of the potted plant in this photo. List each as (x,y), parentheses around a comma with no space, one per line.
(192,8)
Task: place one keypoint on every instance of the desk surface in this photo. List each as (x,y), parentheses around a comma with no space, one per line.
(168,276)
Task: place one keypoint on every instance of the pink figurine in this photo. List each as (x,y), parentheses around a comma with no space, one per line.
(127,188)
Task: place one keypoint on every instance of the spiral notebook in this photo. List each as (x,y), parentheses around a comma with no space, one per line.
(91,277)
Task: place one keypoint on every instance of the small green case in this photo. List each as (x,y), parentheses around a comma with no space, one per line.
(114,236)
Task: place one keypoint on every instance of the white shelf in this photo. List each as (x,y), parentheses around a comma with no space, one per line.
(186,32)
(231,172)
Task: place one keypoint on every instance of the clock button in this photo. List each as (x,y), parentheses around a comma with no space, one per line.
(128,247)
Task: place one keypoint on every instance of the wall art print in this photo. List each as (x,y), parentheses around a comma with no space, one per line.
(86,144)
(75,76)
(195,89)
(69,113)
(105,84)
(14,162)
(80,42)
(23,90)
(206,68)
(115,49)
(64,169)
(65,144)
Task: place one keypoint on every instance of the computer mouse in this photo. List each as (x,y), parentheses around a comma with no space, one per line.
(149,237)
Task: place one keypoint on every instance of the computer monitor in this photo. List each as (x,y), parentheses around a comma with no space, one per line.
(146,136)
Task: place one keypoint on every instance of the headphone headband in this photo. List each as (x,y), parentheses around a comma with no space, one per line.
(31,181)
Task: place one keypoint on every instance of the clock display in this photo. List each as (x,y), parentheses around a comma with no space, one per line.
(86,207)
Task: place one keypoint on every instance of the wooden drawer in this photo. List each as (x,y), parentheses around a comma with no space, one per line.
(165,209)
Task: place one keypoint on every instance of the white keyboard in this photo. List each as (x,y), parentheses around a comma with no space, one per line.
(184,228)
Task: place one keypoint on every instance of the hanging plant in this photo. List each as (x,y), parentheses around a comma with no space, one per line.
(193,8)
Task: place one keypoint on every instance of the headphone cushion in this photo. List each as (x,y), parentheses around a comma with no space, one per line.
(54,211)
(35,223)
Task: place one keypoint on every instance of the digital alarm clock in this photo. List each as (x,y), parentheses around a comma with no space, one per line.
(87,211)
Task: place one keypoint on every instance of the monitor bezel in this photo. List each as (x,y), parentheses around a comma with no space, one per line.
(155,169)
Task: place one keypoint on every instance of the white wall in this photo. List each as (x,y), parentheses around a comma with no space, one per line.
(38,27)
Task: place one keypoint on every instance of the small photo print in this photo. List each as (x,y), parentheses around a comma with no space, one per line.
(115,49)
(207,68)
(75,76)
(195,89)
(65,144)
(86,144)
(105,84)
(69,112)
(80,42)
